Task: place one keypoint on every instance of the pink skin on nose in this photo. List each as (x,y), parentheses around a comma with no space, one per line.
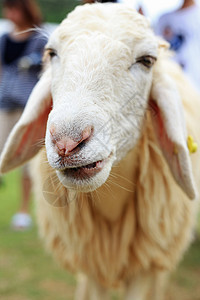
(66,145)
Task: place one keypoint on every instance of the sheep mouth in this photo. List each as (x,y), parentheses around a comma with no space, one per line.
(86,171)
(86,177)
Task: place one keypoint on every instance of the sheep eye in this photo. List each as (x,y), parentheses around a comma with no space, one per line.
(147,61)
(52,53)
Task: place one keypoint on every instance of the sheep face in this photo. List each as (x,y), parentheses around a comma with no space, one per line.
(100,88)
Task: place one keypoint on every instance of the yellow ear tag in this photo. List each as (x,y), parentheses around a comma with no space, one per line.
(192,146)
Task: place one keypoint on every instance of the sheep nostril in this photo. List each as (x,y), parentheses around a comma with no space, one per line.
(65,145)
(60,148)
(87,132)
(52,131)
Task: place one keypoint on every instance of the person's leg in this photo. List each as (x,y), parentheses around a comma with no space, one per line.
(26,190)
(21,220)
(7,121)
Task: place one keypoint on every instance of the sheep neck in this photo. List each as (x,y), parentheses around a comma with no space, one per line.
(110,199)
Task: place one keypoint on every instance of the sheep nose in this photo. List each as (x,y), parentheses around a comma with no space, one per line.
(65,145)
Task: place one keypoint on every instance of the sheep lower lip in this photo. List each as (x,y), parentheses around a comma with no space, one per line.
(85,171)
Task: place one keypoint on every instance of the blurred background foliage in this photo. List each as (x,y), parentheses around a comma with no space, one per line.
(54,10)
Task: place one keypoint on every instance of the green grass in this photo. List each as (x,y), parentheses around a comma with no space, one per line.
(28,273)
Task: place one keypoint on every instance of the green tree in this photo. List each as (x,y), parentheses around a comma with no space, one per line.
(54,10)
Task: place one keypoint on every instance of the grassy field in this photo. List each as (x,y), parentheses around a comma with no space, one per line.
(28,273)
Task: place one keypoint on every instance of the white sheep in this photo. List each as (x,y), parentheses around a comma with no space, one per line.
(114,180)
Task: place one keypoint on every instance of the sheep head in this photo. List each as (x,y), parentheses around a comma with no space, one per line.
(93,97)
(96,83)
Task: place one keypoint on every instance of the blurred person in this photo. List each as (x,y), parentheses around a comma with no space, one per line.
(20,63)
(181,29)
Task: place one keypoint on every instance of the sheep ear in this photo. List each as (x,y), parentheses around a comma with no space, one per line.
(170,128)
(25,140)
